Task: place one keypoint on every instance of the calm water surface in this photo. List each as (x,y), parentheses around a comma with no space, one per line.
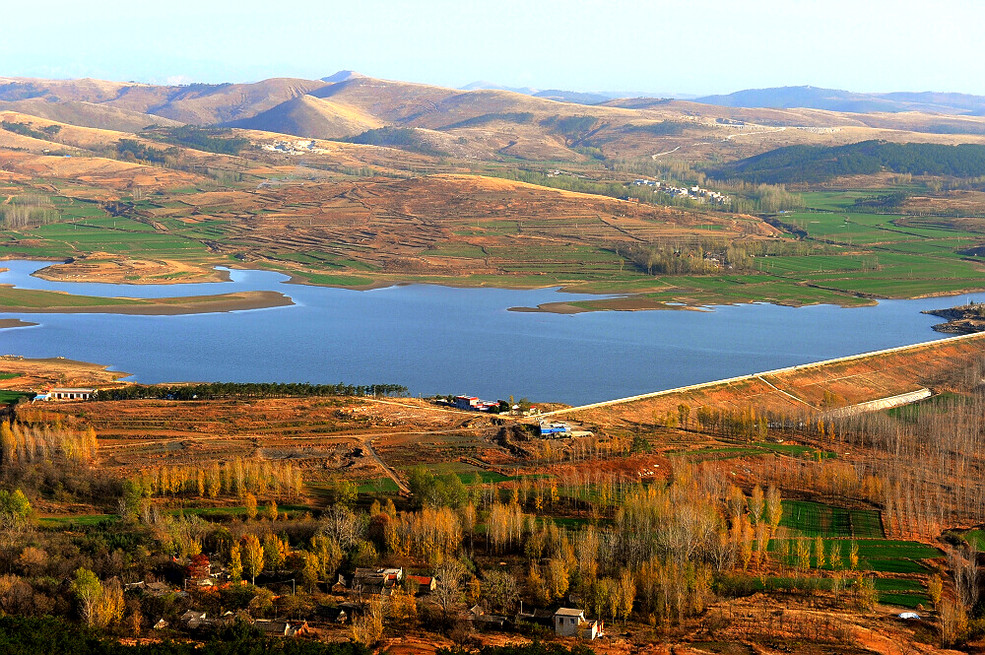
(436,339)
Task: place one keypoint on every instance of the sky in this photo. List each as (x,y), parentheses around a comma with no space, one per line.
(685,47)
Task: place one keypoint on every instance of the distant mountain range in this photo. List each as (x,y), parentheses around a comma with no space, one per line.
(784,97)
(812,97)
(576,97)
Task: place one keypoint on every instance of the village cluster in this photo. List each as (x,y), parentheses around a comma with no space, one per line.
(352,595)
(691,193)
(295,147)
(548,429)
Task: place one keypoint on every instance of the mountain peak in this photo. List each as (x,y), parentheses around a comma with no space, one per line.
(341,76)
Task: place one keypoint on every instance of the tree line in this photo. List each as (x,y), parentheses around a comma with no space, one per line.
(812,164)
(215,390)
(217,140)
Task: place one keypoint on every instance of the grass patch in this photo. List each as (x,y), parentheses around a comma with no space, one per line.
(378,486)
(88,520)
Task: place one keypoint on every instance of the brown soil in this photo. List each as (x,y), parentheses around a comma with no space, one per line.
(40,374)
(323,435)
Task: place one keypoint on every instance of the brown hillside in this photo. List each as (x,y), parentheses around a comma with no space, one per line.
(313,117)
(107,173)
(449,225)
(87,114)
(387,101)
(224,103)
(84,90)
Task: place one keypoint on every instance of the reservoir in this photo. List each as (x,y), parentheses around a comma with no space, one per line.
(443,340)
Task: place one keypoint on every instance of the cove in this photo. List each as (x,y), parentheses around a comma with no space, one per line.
(439,340)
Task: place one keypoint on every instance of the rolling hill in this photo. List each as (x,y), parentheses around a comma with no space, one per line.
(310,116)
(490,124)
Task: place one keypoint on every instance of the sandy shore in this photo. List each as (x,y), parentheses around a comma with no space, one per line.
(130,271)
(229,302)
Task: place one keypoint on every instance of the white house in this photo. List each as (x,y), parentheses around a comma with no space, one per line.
(71,394)
(572,623)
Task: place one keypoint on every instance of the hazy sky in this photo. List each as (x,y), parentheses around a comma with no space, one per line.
(687,46)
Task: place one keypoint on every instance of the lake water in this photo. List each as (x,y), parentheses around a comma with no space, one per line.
(436,339)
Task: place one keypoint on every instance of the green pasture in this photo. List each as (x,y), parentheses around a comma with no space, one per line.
(29,298)
(221,512)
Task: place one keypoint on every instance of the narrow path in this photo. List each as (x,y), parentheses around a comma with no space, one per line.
(666,152)
(790,395)
(732,136)
(368,443)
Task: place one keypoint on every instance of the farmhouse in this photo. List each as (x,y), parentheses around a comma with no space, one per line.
(572,623)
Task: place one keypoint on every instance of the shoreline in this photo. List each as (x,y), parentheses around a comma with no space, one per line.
(607,301)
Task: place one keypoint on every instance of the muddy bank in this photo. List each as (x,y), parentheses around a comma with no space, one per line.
(625,304)
(14,323)
(964,319)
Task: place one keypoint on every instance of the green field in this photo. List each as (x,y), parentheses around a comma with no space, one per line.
(811,519)
(808,519)
(902,592)
(7,397)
